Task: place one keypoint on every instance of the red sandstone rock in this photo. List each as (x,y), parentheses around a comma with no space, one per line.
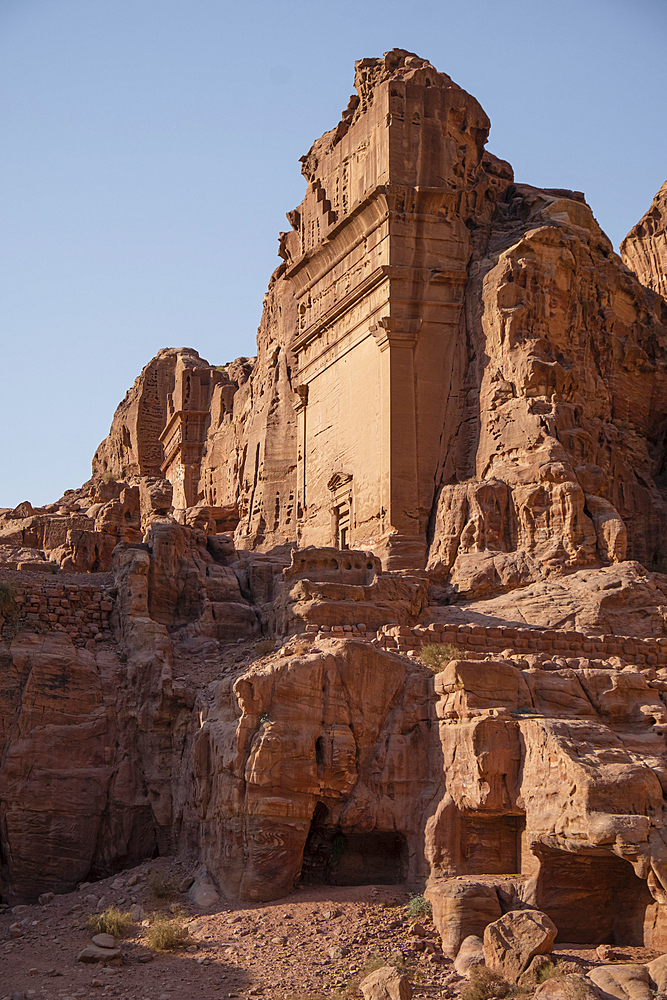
(458,392)
(511,943)
(644,249)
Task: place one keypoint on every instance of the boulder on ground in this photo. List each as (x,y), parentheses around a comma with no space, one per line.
(625,982)
(92,953)
(387,983)
(470,953)
(511,943)
(203,892)
(572,987)
(657,971)
(104,940)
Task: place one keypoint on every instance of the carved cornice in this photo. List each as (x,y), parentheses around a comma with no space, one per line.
(391,332)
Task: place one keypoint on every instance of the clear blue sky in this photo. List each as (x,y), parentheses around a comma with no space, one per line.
(150,151)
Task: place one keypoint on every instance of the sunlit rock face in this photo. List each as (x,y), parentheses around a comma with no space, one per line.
(456,414)
(644,249)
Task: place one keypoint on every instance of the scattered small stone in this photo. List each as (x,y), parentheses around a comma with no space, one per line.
(104,940)
(606,953)
(93,953)
(186,883)
(337,953)
(132,880)
(45,898)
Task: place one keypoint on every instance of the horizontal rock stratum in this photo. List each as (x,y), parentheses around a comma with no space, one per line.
(453,430)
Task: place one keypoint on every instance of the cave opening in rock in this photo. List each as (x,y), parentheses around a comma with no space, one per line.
(491,845)
(337,856)
(593,898)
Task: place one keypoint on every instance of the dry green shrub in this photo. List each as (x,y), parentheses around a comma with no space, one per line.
(483,984)
(265,646)
(7,603)
(161,887)
(437,655)
(164,934)
(418,906)
(110,921)
(300,647)
(558,970)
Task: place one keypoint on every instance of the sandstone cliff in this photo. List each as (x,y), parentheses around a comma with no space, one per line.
(527,363)
(460,391)
(644,249)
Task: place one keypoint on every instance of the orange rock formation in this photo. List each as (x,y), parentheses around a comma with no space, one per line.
(460,392)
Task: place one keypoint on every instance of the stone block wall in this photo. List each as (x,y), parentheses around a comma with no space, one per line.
(57,603)
(482,639)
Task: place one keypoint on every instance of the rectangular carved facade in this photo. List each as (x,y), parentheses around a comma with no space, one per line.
(378,263)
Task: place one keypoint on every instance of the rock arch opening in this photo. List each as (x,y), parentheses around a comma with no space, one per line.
(334,855)
(593,898)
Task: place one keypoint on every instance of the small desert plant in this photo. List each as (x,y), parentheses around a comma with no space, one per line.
(265,646)
(557,970)
(483,984)
(7,605)
(372,964)
(164,934)
(418,906)
(300,647)
(161,887)
(436,656)
(110,921)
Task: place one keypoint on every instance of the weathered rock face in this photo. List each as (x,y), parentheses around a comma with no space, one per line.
(90,747)
(459,392)
(623,599)
(644,249)
(306,749)
(159,429)
(528,782)
(564,395)
(452,370)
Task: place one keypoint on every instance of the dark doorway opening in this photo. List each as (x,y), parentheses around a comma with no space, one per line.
(334,856)
(592,898)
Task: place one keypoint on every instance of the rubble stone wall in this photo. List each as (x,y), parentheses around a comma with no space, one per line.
(81,610)
(497,638)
